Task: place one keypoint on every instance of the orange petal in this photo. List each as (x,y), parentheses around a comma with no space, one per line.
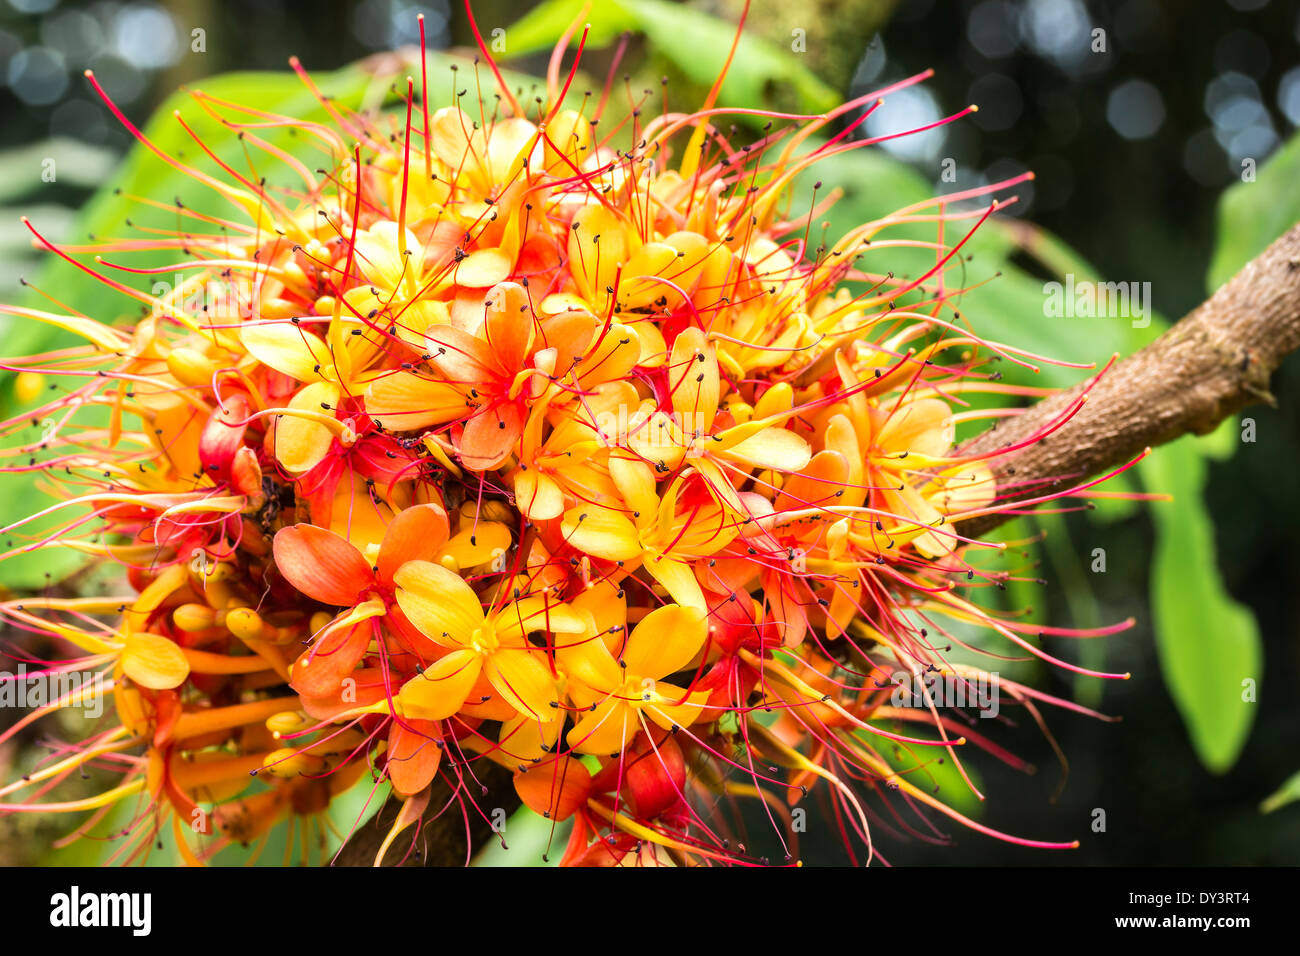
(321,564)
(415,534)
(556,790)
(490,436)
(508,325)
(414,752)
(321,670)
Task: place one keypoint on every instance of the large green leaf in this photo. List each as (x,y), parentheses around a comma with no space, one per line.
(1209,644)
(1253,214)
(694,42)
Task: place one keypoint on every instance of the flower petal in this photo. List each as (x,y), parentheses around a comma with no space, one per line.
(441,690)
(604,730)
(415,534)
(438,602)
(601,532)
(288,348)
(922,427)
(774,447)
(490,436)
(524,681)
(664,641)
(321,670)
(537,495)
(154,661)
(666,711)
(404,401)
(693,378)
(414,752)
(301,443)
(321,564)
(678,578)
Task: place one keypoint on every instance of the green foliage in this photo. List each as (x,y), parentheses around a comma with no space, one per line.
(1253,214)
(1289,792)
(694,42)
(1209,644)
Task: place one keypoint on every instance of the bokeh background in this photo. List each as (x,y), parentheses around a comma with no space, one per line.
(1133,147)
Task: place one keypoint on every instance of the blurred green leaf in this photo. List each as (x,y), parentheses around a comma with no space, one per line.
(1209,644)
(1253,214)
(67,162)
(694,42)
(1289,792)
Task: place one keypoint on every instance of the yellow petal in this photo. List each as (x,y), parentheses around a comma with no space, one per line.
(404,401)
(483,269)
(597,247)
(301,443)
(438,602)
(678,578)
(590,662)
(441,690)
(153,661)
(663,707)
(538,496)
(479,543)
(601,532)
(523,681)
(665,641)
(636,483)
(536,613)
(604,730)
(773,447)
(288,348)
(922,427)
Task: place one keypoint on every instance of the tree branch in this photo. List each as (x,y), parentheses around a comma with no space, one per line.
(1217,360)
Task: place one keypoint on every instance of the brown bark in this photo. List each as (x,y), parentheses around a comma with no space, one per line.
(1217,360)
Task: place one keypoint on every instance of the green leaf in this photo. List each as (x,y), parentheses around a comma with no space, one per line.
(1253,214)
(694,42)
(1209,644)
(67,162)
(1289,792)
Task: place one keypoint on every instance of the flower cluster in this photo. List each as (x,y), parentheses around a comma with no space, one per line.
(509,440)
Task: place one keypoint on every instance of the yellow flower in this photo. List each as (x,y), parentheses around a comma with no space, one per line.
(495,644)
